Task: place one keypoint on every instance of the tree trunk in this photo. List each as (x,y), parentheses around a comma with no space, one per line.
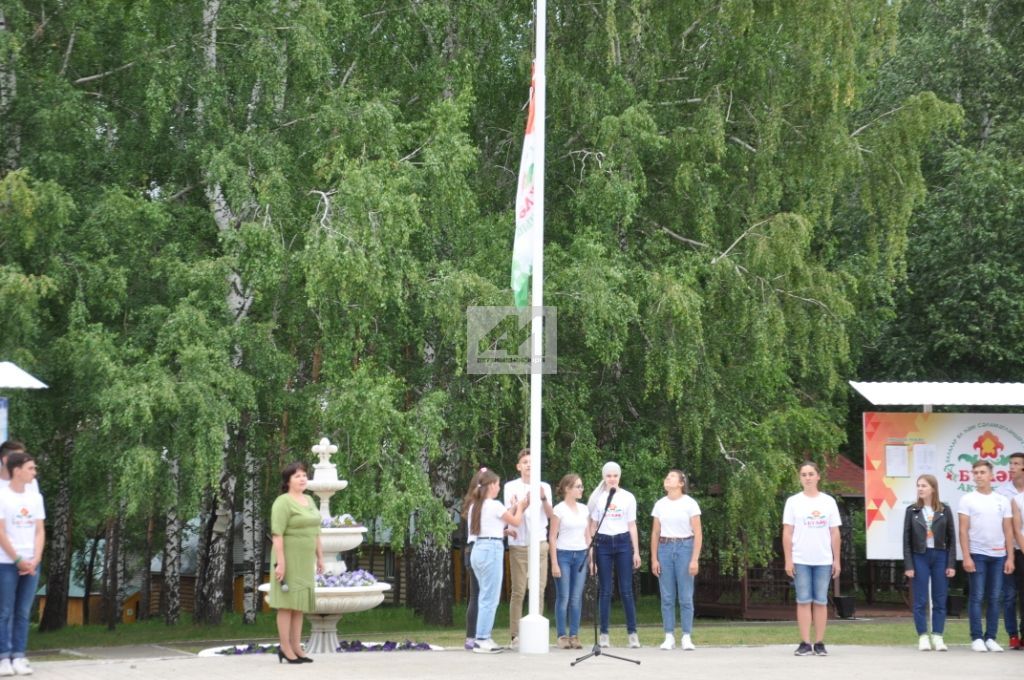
(90,571)
(58,544)
(171,591)
(207,518)
(252,532)
(147,577)
(210,594)
(11,136)
(111,572)
(432,574)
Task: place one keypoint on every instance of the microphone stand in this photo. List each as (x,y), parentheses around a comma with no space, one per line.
(596,650)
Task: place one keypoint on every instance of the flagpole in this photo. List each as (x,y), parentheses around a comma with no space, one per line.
(534,629)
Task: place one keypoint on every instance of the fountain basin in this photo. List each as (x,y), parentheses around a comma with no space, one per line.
(341,539)
(331,603)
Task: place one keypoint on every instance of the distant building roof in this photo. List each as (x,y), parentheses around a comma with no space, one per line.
(847,475)
(941,393)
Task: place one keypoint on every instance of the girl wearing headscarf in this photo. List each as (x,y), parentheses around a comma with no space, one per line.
(616,547)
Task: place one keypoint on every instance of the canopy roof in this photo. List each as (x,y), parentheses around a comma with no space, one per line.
(941,393)
(11,376)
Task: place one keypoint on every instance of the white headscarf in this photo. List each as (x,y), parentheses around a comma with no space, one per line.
(609,467)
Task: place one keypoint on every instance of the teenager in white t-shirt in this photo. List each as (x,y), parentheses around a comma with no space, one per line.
(569,537)
(676,539)
(487,521)
(810,542)
(986,541)
(616,547)
(22,537)
(1013,586)
(467,552)
(519,543)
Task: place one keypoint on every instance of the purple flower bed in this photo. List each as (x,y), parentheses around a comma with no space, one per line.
(350,579)
(345,521)
(343,646)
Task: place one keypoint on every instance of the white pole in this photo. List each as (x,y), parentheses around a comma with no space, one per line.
(534,629)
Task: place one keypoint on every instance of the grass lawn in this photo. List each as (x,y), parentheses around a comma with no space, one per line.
(399,623)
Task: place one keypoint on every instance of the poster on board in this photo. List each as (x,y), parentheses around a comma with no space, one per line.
(899,447)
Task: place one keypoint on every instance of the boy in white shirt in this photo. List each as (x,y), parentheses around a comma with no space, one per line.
(519,542)
(986,541)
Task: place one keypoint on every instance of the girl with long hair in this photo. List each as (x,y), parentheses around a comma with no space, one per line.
(676,540)
(569,535)
(929,558)
(474,585)
(487,521)
(617,547)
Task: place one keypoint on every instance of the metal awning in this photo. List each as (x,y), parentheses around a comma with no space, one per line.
(941,393)
(13,377)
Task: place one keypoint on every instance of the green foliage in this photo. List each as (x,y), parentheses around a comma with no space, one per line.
(731,196)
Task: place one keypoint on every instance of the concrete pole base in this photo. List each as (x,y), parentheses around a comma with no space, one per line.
(534,635)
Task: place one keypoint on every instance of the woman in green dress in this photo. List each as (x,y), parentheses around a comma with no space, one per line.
(295,560)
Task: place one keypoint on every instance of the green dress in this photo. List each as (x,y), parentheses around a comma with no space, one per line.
(299,526)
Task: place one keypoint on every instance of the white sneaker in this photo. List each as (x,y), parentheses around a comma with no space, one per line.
(687,644)
(634,641)
(5,667)
(487,646)
(939,643)
(602,640)
(990,645)
(924,644)
(21,666)
(669,643)
(978,646)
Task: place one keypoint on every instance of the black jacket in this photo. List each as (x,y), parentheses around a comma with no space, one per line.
(915,535)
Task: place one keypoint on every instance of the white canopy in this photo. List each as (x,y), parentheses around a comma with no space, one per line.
(13,377)
(941,393)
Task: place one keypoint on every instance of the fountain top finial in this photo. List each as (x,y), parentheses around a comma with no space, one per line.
(324,449)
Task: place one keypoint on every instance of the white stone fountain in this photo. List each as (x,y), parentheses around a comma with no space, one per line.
(331,603)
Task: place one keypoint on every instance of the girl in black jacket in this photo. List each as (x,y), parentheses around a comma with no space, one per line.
(929,555)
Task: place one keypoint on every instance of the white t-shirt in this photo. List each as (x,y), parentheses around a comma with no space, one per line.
(572,526)
(491,523)
(812,519)
(1007,489)
(517,489)
(621,512)
(19,512)
(985,512)
(675,516)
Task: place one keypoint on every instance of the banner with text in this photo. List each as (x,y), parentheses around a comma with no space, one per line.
(899,447)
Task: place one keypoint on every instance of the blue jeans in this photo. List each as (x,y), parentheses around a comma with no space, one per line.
(16,595)
(1010,590)
(569,590)
(986,584)
(615,552)
(930,566)
(487,559)
(676,583)
(811,583)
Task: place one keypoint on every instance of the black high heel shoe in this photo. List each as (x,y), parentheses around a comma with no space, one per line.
(305,659)
(281,657)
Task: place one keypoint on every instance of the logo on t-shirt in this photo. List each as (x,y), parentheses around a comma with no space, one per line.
(816,520)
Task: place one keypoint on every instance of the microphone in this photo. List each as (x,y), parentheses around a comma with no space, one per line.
(608,503)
